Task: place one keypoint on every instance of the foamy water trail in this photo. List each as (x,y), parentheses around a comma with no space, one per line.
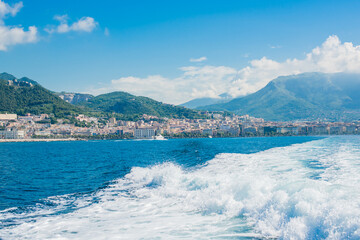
(304,191)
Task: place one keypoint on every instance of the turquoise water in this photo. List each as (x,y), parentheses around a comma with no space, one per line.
(235,188)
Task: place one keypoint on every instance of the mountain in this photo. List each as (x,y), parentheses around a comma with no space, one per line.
(305,96)
(75,98)
(24,95)
(199,102)
(6,76)
(127,104)
(12,80)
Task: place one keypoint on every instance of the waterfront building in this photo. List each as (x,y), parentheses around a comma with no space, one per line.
(208,132)
(144,133)
(350,129)
(270,130)
(250,130)
(234,132)
(337,130)
(321,130)
(11,134)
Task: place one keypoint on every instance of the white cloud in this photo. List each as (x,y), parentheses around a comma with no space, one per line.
(14,35)
(194,82)
(331,57)
(85,24)
(6,9)
(201,59)
(154,86)
(206,81)
(210,81)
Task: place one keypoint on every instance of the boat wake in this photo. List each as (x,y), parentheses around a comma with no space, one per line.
(303,191)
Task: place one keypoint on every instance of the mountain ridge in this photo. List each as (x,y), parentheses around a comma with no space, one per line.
(24,95)
(306,96)
(128,104)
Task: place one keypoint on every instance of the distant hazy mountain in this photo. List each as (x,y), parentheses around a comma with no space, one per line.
(304,96)
(75,98)
(27,96)
(127,104)
(199,102)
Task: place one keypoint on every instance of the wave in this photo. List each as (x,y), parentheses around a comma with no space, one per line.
(303,191)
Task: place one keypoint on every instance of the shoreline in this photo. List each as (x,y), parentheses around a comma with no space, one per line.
(84,139)
(40,140)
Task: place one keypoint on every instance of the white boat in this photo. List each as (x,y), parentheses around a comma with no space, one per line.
(159,137)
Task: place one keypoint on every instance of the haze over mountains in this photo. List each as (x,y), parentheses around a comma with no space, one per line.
(307,96)
(199,102)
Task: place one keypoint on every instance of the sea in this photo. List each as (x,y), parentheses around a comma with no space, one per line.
(219,188)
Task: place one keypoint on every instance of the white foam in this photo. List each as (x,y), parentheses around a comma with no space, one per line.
(304,191)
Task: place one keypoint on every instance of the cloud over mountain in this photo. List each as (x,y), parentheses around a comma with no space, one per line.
(210,81)
(193,83)
(331,57)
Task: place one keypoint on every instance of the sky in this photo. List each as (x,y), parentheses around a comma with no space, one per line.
(175,51)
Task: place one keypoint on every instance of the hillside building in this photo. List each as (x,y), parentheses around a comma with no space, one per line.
(8,117)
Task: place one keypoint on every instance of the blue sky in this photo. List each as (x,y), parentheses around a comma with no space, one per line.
(145,47)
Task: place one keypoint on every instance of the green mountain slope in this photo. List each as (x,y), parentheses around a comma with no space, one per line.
(127,104)
(7,76)
(24,95)
(305,96)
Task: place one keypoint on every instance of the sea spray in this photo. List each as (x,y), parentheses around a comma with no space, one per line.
(303,191)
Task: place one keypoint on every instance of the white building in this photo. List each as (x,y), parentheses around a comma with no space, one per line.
(144,133)
(12,134)
(8,117)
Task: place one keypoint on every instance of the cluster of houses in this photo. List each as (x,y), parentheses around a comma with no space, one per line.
(13,126)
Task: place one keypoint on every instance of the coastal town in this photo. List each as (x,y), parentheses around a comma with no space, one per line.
(214,124)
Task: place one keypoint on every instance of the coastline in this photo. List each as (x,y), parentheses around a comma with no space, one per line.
(40,140)
(167,138)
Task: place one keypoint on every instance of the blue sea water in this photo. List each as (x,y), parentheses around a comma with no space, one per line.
(231,188)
